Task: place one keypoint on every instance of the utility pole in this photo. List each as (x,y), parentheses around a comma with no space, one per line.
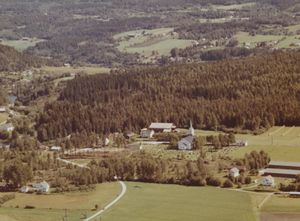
(66,216)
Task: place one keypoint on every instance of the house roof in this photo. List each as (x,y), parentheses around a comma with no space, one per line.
(281,171)
(284,163)
(162,126)
(189,139)
(234,170)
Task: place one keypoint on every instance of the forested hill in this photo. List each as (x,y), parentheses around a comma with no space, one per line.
(12,60)
(251,93)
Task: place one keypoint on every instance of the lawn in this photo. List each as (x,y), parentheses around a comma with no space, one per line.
(149,202)
(53,206)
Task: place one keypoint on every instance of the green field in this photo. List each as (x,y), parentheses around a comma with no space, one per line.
(279,41)
(145,41)
(282,143)
(149,202)
(21,45)
(52,207)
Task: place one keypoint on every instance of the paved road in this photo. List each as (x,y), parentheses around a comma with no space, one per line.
(124,189)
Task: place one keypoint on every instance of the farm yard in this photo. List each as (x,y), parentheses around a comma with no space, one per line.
(53,207)
(145,202)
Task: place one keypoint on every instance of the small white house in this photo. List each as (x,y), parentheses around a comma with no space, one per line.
(234,172)
(146,133)
(24,189)
(55,148)
(186,143)
(2,109)
(42,187)
(268,181)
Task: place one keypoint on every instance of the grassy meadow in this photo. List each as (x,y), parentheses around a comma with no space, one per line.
(21,45)
(148,202)
(147,41)
(52,207)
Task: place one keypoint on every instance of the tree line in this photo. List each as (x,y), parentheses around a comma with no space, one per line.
(253,94)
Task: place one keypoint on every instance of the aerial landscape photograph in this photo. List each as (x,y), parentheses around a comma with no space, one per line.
(149,110)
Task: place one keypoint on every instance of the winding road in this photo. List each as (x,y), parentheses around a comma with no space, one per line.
(123,185)
(124,189)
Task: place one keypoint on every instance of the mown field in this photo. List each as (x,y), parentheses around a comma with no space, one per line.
(282,143)
(52,207)
(148,202)
(280,208)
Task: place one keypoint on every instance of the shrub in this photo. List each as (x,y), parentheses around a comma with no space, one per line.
(228,183)
(212,181)
(248,180)
(29,207)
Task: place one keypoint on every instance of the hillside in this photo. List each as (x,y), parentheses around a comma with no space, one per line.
(12,60)
(252,93)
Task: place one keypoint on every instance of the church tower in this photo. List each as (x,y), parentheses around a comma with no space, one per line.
(191,129)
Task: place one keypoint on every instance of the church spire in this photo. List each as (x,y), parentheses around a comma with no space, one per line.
(191,129)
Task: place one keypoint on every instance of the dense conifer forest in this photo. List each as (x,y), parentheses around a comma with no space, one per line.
(249,94)
(12,60)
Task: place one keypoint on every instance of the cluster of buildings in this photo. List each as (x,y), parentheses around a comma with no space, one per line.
(157,128)
(282,169)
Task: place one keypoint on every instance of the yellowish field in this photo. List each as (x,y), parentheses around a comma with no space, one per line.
(282,204)
(3,117)
(104,193)
(52,207)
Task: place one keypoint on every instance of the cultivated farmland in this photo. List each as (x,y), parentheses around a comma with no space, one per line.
(145,202)
(52,207)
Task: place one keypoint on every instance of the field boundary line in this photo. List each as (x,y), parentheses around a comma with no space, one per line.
(265,200)
(276,131)
(124,189)
(289,130)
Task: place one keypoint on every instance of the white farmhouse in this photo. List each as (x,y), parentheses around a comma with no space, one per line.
(268,181)
(55,148)
(42,187)
(2,109)
(186,143)
(234,172)
(146,133)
